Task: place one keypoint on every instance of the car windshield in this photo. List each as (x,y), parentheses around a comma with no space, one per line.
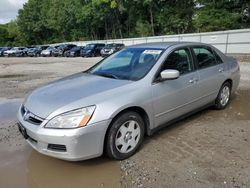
(50,48)
(128,64)
(75,48)
(61,47)
(110,45)
(89,46)
(14,48)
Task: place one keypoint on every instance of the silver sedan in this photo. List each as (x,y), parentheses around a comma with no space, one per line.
(132,93)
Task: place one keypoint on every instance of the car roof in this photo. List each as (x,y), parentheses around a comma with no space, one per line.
(165,45)
(95,43)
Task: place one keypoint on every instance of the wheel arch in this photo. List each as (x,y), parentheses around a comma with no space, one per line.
(230,81)
(136,109)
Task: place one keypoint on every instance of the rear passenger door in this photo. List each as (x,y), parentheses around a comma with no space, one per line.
(211,73)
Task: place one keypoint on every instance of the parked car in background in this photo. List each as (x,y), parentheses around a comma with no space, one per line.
(92,50)
(74,52)
(16,51)
(3,49)
(111,107)
(22,52)
(111,48)
(34,52)
(60,50)
(48,52)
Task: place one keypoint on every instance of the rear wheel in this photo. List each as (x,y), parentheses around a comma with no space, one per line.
(223,97)
(125,136)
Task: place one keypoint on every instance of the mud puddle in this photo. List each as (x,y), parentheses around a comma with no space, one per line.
(26,168)
(23,167)
(8,109)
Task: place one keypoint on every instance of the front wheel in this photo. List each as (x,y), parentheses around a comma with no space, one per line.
(223,97)
(125,136)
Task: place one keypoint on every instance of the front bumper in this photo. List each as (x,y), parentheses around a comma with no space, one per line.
(9,54)
(80,144)
(46,53)
(72,54)
(32,54)
(86,54)
(106,53)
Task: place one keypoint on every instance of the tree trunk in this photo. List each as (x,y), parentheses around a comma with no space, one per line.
(106,29)
(151,20)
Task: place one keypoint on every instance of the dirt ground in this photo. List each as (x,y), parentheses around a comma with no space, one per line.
(208,149)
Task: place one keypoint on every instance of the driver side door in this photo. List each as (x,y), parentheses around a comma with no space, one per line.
(173,98)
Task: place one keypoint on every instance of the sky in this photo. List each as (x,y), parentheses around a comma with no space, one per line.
(9,9)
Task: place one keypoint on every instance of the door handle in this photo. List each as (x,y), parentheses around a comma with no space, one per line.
(221,69)
(193,80)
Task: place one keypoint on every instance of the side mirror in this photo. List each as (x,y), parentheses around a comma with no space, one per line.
(170,74)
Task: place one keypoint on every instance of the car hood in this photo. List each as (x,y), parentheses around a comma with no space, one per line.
(74,50)
(78,88)
(108,48)
(10,51)
(33,50)
(85,50)
(46,51)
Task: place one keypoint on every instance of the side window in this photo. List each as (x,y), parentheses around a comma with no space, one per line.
(205,57)
(179,60)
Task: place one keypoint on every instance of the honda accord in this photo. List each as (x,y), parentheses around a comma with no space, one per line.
(111,107)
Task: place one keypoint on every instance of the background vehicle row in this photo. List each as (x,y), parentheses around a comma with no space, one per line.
(63,50)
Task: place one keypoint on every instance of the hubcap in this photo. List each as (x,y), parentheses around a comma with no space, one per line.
(224,96)
(128,136)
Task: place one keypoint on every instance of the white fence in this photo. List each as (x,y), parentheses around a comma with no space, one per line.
(229,42)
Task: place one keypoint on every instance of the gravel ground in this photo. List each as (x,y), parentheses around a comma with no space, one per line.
(208,149)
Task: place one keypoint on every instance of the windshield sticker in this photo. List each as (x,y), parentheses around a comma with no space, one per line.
(157,52)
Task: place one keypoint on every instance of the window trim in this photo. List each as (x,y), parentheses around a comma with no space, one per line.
(155,81)
(215,53)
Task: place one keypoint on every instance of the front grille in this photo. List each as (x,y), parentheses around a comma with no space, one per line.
(34,120)
(57,147)
(30,117)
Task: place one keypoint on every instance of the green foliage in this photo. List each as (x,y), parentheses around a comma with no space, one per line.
(220,15)
(215,20)
(50,21)
(143,29)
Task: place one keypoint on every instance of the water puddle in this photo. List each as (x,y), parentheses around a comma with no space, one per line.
(23,167)
(8,109)
(27,168)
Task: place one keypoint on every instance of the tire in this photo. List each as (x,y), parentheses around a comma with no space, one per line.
(223,97)
(124,136)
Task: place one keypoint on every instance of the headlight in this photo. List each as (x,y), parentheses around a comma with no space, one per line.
(73,119)
(111,51)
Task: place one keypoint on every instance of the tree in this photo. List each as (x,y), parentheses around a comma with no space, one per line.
(219,15)
(52,21)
